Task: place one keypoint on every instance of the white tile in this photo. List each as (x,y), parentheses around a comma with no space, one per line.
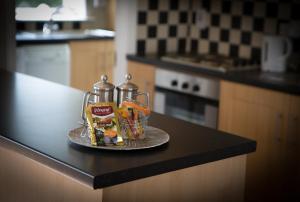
(247,23)
(142,32)
(182,31)
(225,21)
(259,9)
(214,33)
(172,45)
(173,17)
(162,31)
(151,46)
(142,5)
(152,18)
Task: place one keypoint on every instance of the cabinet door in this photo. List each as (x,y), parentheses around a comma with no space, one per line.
(143,75)
(292,149)
(260,115)
(89,60)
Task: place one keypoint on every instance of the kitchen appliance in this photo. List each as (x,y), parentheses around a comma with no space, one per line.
(103,91)
(219,63)
(187,97)
(50,62)
(275,52)
(129,91)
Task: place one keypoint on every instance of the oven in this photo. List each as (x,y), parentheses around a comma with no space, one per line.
(187,97)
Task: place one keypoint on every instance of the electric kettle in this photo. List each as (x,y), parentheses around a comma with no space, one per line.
(275,52)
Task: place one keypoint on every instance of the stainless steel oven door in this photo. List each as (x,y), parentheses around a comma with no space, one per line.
(186,107)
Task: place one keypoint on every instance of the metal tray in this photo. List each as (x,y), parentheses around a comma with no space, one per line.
(154,138)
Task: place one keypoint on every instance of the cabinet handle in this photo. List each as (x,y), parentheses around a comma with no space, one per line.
(279,127)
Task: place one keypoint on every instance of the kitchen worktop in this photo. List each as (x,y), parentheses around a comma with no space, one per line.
(284,82)
(37,116)
(62,36)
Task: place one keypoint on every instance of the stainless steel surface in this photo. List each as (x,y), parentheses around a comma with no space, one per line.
(102,92)
(187,97)
(154,138)
(126,90)
(186,83)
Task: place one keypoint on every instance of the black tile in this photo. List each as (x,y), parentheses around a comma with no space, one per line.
(234,51)
(226,6)
(153,4)
(206,4)
(224,35)
(248,8)
(194,17)
(194,46)
(181,46)
(236,22)
(246,38)
(172,31)
(204,33)
(213,48)
(258,24)
(163,17)
(76,25)
(272,9)
(162,47)
(183,17)
(142,17)
(152,31)
(173,4)
(215,20)
(295,11)
(256,54)
(141,47)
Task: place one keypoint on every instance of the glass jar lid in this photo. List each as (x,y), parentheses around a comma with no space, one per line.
(127,85)
(103,85)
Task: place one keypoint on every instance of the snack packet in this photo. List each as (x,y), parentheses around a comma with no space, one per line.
(103,124)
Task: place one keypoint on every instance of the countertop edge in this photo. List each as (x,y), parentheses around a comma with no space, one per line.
(48,161)
(173,165)
(289,89)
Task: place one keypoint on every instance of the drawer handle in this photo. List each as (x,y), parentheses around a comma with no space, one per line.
(279,127)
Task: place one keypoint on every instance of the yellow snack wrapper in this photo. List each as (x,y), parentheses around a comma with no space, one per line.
(103,124)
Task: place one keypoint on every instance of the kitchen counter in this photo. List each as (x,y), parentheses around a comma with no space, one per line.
(287,82)
(37,116)
(62,36)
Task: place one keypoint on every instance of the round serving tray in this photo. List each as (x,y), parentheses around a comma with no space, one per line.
(154,138)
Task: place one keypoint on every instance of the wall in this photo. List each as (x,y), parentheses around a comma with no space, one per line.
(234,28)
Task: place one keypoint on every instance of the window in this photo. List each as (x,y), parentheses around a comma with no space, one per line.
(57,10)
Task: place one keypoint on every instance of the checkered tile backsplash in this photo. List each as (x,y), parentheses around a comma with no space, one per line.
(234,28)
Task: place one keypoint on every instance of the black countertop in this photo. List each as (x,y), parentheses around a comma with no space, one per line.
(284,82)
(62,36)
(36,116)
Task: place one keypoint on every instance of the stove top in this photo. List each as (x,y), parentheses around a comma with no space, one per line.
(213,62)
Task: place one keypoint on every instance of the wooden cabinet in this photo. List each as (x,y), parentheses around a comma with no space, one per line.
(271,118)
(143,75)
(90,59)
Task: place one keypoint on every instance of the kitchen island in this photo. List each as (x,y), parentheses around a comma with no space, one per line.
(38,163)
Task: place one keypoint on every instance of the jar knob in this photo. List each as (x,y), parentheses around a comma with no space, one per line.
(104,78)
(128,77)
